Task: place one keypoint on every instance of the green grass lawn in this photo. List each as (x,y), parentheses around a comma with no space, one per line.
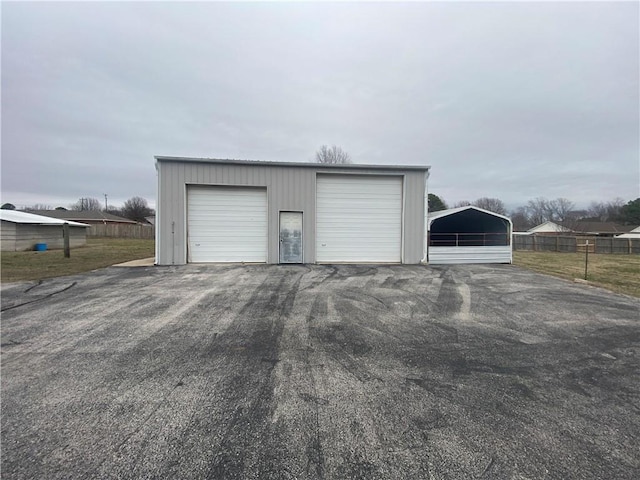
(619,273)
(98,253)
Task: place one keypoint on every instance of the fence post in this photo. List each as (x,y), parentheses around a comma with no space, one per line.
(535,247)
(586,258)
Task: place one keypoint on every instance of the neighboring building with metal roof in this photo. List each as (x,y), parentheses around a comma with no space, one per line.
(22,231)
(213,210)
(92,217)
(469,235)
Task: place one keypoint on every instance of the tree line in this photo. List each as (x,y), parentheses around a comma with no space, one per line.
(559,210)
(536,211)
(135,208)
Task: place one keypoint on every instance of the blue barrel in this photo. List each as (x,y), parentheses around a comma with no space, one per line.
(40,247)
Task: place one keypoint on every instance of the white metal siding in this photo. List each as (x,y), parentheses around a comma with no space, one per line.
(480,254)
(359,218)
(227,224)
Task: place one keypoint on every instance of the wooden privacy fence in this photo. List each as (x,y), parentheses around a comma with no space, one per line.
(122,231)
(557,243)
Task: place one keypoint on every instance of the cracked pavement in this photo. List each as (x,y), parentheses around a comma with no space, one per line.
(319,372)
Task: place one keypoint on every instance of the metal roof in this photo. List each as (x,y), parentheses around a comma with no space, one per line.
(261,163)
(87,215)
(452,211)
(14,216)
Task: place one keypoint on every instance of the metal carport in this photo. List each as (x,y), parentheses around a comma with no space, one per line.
(469,235)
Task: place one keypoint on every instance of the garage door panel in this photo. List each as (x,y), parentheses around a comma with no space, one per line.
(227,224)
(359,219)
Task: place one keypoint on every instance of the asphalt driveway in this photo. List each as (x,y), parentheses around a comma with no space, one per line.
(319,372)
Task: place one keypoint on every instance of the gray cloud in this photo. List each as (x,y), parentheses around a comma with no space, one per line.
(506,100)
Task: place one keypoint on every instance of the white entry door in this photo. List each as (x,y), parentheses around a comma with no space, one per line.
(226,224)
(359,219)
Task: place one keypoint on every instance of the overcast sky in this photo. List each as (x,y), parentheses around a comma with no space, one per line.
(503,100)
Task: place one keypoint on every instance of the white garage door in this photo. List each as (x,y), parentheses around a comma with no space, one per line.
(359,219)
(227,224)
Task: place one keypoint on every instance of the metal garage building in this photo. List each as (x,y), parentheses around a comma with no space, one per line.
(212,210)
(469,235)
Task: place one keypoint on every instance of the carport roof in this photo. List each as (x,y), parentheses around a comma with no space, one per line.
(348,166)
(23,217)
(452,211)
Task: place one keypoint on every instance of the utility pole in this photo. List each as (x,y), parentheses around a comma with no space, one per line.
(105,202)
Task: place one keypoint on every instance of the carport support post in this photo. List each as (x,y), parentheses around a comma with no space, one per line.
(65,235)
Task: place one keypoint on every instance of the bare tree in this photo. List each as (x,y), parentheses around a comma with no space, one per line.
(114,211)
(598,210)
(520,219)
(136,208)
(538,210)
(492,204)
(606,211)
(332,155)
(560,209)
(83,204)
(615,207)
(39,206)
(462,203)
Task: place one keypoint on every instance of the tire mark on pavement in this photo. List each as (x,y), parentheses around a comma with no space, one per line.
(91,473)
(314,451)
(464,313)
(269,307)
(39,299)
(37,284)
